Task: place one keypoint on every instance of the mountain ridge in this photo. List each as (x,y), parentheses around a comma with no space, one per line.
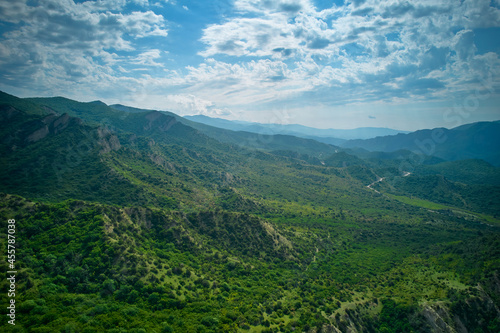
(475,140)
(296,129)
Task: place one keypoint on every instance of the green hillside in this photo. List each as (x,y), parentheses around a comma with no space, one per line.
(147,122)
(137,222)
(472,141)
(465,171)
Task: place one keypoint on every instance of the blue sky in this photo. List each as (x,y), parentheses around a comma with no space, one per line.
(327,64)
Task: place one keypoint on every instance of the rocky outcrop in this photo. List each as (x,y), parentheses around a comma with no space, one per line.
(38,135)
(160,121)
(107,140)
(159,160)
(329,329)
(62,122)
(7,112)
(50,125)
(438,318)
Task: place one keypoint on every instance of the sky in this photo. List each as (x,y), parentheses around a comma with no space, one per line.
(340,64)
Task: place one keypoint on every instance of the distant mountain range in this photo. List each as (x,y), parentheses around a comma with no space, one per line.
(479,140)
(472,141)
(331,136)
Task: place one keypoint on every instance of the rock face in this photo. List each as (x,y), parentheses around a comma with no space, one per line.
(437,318)
(7,112)
(107,140)
(159,160)
(51,125)
(33,130)
(463,316)
(160,121)
(242,232)
(38,135)
(62,122)
(471,311)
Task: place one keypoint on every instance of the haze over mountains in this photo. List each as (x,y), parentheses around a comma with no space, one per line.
(297,130)
(148,221)
(477,140)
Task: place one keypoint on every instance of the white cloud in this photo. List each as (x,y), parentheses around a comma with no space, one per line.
(13,11)
(188,104)
(148,58)
(390,47)
(64,24)
(143,24)
(478,14)
(287,7)
(269,53)
(59,41)
(248,36)
(464,45)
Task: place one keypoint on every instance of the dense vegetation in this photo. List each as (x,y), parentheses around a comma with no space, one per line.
(140,223)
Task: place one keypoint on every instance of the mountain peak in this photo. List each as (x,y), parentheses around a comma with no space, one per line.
(98,102)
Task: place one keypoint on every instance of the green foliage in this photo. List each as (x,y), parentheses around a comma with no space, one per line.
(171,231)
(471,172)
(394,318)
(474,197)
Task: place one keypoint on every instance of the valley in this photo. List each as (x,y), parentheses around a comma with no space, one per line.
(144,221)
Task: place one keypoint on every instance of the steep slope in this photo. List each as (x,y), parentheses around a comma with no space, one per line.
(46,157)
(138,121)
(437,188)
(265,140)
(155,159)
(91,267)
(157,125)
(23,105)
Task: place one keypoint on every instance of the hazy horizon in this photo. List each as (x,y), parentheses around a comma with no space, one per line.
(332,128)
(322,64)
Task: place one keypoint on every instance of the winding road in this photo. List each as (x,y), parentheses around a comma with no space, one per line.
(405,174)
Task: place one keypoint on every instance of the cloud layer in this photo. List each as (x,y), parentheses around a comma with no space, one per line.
(60,42)
(253,56)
